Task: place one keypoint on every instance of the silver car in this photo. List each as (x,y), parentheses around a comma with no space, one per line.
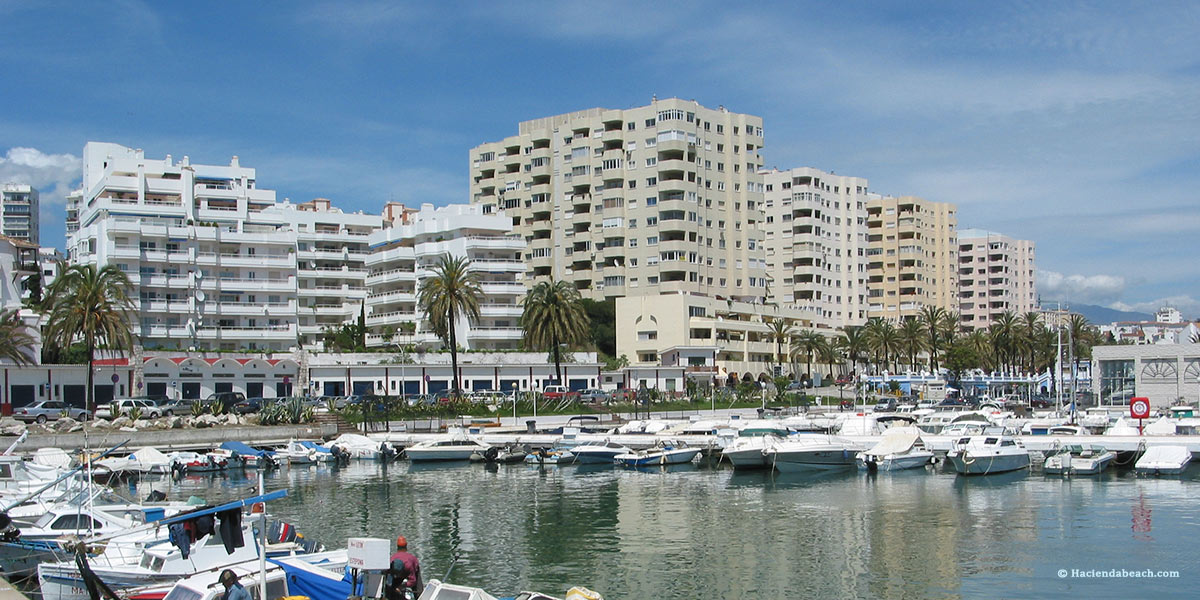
(50,410)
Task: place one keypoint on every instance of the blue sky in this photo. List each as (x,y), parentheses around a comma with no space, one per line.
(1074,125)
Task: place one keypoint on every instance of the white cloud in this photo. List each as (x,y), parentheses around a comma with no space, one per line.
(1190,307)
(53,175)
(1087,289)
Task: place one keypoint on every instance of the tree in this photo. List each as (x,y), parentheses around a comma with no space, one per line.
(16,343)
(854,342)
(912,340)
(554,315)
(806,343)
(1005,331)
(883,339)
(1029,328)
(602,319)
(959,358)
(828,353)
(93,305)
(933,321)
(780,332)
(1083,336)
(452,292)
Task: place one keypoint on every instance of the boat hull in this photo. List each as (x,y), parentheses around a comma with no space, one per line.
(750,458)
(1077,465)
(653,459)
(596,457)
(896,462)
(423,455)
(966,463)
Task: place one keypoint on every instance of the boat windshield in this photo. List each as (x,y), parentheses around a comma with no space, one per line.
(180,592)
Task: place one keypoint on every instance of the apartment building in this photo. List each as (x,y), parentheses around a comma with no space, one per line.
(996,274)
(215,261)
(912,256)
(816,243)
(655,199)
(402,256)
(19,212)
(714,338)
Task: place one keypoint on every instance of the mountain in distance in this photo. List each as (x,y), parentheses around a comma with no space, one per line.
(1101,315)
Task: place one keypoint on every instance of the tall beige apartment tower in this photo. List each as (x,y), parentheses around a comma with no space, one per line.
(655,199)
(996,273)
(912,256)
(816,239)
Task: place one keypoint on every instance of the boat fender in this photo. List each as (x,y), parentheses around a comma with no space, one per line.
(491,453)
(967,459)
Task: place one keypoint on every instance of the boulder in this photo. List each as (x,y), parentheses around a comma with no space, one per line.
(205,421)
(99,424)
(250,419)
(142,424)
(10,426)
(174,422)
(65,424)
(120,422)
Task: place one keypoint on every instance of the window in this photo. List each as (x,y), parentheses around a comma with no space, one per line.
(652,240)
(647,335)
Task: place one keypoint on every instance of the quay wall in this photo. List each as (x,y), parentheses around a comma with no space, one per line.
(168,440)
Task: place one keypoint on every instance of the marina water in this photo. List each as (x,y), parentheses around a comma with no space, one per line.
(706,531)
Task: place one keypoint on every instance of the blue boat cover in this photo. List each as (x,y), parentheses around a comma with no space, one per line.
(244,449)
(317,586)
(315,446)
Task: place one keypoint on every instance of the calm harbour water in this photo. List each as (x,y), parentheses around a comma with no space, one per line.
(705,531)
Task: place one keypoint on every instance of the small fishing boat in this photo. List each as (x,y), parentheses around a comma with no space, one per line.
(1075,459)
(1163,460)
(901,448)
(664,453)
(508,454)
(987,455)
(555,455)
(296,454)
(193,462)
(361,447)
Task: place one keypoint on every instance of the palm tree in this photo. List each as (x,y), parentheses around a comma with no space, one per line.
(451,292)
(93,305)
(912,340)
(1030,326)
(780,332)
(883,339)
(828,353)
(806,343)
(932,320)
(1005,331)
(554,315)
(16,343)
(854,342)
(1083,336)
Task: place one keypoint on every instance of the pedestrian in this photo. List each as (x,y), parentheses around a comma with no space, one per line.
(233,589)
(405,572)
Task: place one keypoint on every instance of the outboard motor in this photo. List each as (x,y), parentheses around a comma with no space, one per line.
(155,496)
(178,469)
(8,531)
(490,454)
(387,453)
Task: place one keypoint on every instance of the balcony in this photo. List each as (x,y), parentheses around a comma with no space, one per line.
(502,288)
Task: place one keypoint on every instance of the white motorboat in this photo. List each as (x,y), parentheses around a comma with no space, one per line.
(901,448)
(813,452)
(288,576)
(665,452)
(18,477)
(450,448)
(1163,460)
(747,451)
(598,453)
(194,462)
(988,455)
(49,537)
(296,454)
(555,455)
(361,447)
(1078,460)
(142,460)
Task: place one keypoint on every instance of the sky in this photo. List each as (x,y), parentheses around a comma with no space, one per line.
(1076,125)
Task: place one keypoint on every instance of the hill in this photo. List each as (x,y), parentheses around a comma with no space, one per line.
(1101,315)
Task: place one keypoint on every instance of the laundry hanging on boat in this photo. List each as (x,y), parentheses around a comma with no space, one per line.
(180,538)
(231,529)
(185,533)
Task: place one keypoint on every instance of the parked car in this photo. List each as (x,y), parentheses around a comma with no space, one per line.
(249,405)
(594,395)
(169,408)
(885,405)
(553,392)
(227,399)
(120,408)
(50,410)
(844,380)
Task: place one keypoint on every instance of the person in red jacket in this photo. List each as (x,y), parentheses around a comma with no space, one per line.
(405,572)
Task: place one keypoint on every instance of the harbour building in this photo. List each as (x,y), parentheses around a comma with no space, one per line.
(996,274)
(19,212)
(403,255)
(816,243)
(655,199)
(912,256)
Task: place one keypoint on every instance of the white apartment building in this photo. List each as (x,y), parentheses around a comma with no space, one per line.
(816,243)
(19,212)
(403,255)
(215,261)
(996,274)
(912,256)
(655,199)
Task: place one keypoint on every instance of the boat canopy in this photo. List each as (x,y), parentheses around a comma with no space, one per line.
(314,582)
(244,449)
(896,441)
(315,446)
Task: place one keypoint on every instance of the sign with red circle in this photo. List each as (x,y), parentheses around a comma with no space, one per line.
(1139,408)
